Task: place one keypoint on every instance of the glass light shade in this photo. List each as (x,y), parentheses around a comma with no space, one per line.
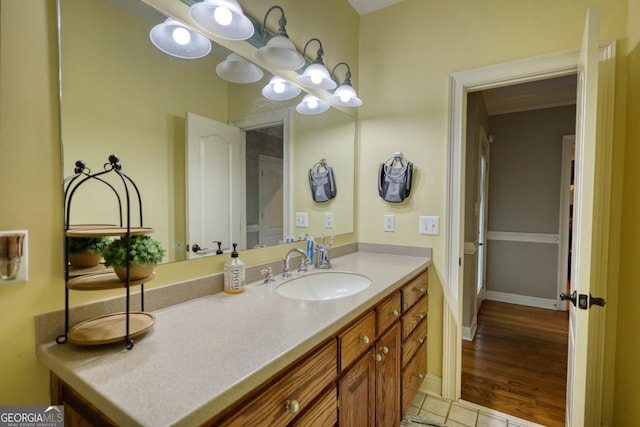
(236,69)
(175,39)
(345,96)
(312,105)
(223,18)
(279,89)
(280,53)
(317,76)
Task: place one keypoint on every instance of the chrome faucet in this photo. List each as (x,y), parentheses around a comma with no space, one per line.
(303,264)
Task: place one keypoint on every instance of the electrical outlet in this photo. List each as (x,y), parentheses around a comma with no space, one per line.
(430,225)
(328,220)
(389,223)
(302,219)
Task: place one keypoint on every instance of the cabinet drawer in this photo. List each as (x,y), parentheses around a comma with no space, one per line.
(414,316)
(357,339)
(414,291)
(412,377)
(417,338)
(324,412)
(301,385)
(388,312)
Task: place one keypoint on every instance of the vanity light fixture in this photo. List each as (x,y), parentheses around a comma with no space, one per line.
(345,95)
(176,39)
(223,18)
(236,69)
(279,52)
(316,75)
(279,89)
(312,105)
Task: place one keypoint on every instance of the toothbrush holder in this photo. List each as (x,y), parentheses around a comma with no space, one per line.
(322,259)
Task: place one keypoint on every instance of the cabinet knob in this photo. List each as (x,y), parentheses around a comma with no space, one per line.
(292,406)
(421,376)
(385,350)
(378,357)
(421,290)
(395,313)
(420,340)
(421,316)
(364,339)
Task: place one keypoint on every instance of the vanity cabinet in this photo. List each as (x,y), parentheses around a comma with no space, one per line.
(367,374)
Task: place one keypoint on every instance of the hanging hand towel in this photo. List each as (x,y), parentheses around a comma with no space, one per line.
(323,184)
(394,182)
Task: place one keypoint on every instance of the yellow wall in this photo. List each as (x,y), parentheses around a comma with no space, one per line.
(626,411)
(407,52)
(31,181)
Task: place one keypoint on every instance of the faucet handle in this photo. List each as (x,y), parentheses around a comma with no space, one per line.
(303,265)
(268,273)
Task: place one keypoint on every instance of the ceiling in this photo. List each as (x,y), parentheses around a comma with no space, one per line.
(366,6)
(532,95)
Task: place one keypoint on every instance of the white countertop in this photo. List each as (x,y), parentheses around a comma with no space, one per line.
(204,354)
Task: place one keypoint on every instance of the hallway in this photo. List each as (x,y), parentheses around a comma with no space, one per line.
(517,363)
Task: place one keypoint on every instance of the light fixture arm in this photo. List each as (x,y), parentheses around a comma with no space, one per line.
(320,52)
(282,22)
(347,77)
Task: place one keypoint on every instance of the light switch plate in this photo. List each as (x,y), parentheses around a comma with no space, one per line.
(430,225)
(302,219)
(389,223)
(328,220)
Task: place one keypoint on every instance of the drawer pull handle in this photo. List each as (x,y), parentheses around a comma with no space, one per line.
(385,350)
(377,357)
(364,339)
(421,340)
(292,406)
(421,290)
(421,376)
(395,313)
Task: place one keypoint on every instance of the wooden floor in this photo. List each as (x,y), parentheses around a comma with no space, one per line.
(517,363)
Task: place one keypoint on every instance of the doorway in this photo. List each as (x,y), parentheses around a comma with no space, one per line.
(585,403)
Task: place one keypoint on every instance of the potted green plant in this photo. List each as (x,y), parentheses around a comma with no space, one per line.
(85,252)
(145,254)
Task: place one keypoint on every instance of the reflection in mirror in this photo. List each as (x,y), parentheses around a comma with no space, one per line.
(122,95)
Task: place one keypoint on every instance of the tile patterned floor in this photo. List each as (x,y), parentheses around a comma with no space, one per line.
(462,414)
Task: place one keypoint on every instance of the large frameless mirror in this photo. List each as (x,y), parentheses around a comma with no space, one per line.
(214,160)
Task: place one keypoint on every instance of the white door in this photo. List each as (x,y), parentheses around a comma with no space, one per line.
(214,160)
(270,195)
(483,210)
(582,373)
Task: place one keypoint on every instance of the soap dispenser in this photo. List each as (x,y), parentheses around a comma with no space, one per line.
(234,274)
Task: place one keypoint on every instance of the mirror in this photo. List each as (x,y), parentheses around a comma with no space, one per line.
(120,94)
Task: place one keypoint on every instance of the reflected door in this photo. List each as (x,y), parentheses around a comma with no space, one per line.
(270,196)
(215,185)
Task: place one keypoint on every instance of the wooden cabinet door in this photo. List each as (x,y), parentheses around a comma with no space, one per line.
(388,378)
(357,394)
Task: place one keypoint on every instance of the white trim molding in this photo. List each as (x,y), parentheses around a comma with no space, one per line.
(469,332)
(511,236)
(432,385)
(549,304)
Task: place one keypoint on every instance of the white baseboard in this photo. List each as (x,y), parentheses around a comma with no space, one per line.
(432,385)
(469,332)
(549,304)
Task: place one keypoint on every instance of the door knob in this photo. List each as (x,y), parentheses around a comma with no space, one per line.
(596,301)
(570,297)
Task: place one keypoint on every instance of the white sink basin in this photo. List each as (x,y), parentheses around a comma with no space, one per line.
(327,285)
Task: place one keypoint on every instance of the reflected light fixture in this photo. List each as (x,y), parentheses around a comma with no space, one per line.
(312,105)
(316,75)
(176,39)
(223,18)
(236,69)
(279,52)
(345,95)
(279,89)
